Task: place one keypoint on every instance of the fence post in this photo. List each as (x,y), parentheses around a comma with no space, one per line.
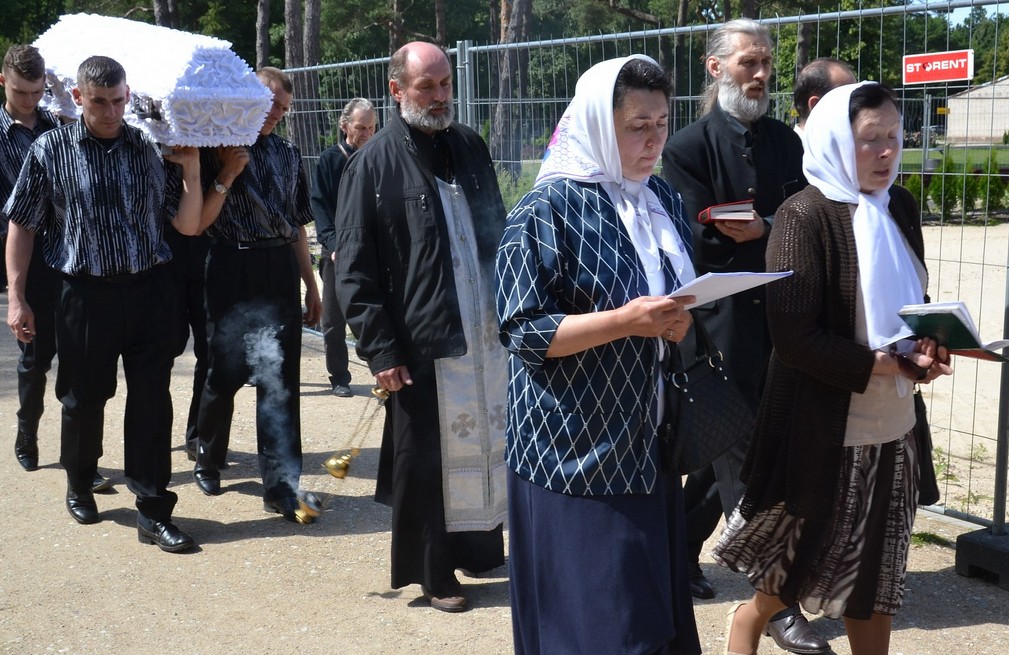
(987,550)
(464,82)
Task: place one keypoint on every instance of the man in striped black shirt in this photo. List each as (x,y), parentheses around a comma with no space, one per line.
(21,122)
(255,210)
(98,192)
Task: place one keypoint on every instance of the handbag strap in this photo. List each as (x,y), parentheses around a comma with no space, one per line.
(704,348)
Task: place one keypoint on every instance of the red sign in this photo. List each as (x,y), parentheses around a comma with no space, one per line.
(954,66)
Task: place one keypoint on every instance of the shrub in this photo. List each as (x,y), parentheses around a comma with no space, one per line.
(913,184)
(944,188)
(513,189)
(993,185)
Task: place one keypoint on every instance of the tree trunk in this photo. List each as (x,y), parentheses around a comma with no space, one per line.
(314,123)
(312,118)
(262,33)
(506,133)
(803,44)
(162,14)
(294,51)
(395,28)
(313,32)
(493,12)
(750,9)
(681,68)
(440,28)
(294,57)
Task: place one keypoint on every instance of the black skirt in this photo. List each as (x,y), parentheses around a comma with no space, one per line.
(599,574)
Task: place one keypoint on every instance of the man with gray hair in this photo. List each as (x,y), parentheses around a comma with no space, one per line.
(357,122)
(813,82)
(735,152)
(417,229)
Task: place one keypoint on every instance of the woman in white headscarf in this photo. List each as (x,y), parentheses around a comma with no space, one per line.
(596,538)
(832,471)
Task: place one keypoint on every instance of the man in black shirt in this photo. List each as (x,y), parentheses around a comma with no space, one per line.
(21,122)
(255,211)
(98,193)
(735,152)
(357,122)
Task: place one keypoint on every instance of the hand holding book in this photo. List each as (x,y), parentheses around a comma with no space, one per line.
(952,327)
(729,211)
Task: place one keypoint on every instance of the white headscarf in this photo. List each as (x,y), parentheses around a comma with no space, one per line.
(584,148)
(886,273)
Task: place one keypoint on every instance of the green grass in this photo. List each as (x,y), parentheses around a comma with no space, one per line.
(919,539)
(970,155)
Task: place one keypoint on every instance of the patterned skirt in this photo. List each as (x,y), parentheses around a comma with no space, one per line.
(852,564)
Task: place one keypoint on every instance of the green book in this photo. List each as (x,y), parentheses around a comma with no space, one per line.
(951,325)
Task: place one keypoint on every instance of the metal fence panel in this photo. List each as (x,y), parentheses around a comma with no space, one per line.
(513,95)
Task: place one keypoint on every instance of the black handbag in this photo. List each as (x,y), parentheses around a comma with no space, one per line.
(928,486)
(705,411)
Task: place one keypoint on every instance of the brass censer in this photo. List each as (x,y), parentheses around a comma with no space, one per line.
(309,507)
(339,465)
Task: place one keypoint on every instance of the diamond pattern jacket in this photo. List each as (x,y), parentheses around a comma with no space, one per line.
(584,424)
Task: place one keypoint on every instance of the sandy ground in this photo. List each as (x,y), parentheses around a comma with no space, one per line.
(258,584)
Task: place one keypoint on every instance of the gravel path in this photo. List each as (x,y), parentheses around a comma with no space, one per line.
(258,584)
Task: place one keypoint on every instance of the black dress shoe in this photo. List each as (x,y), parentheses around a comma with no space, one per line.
(100,483)
(26,449)
(163,533)
(209,482)
(700,586)
(193,450)
(794,634)
(288,506)
(82,507)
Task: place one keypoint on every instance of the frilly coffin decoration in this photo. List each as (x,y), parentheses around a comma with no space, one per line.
(185,89)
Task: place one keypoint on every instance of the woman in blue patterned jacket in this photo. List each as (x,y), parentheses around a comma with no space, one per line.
(597,548)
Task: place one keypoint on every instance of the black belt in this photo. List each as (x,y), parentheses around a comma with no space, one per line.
(251,245)
(124,278)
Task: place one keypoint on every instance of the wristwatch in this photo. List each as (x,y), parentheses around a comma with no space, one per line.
(220,188)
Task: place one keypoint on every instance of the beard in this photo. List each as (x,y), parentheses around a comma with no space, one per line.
(421,117)
(733,100)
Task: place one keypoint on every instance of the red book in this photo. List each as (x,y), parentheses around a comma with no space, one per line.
(729,211)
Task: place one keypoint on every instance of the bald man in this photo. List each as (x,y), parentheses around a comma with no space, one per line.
(814,81)
(416,232)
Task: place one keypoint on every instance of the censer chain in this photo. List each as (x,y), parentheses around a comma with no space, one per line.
(338,465)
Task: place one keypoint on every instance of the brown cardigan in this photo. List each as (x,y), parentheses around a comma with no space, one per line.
(797,446)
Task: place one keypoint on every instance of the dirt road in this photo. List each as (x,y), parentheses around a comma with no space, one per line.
(258,584)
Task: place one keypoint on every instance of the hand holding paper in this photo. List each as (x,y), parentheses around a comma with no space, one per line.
(712,286)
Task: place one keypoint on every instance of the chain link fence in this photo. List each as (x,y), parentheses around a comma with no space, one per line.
(514,94)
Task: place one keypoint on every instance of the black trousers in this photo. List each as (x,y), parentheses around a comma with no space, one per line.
(254,324)
(188,269)
(334,327)
(41,288)
(410,481)
(98,322)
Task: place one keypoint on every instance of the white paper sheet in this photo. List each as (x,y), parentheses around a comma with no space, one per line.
(712,286)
